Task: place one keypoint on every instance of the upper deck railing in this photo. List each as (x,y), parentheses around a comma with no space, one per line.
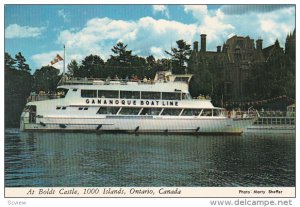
(161,77)
(102,81)
(42,97)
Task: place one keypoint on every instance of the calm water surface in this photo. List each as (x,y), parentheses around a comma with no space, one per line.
(87,159)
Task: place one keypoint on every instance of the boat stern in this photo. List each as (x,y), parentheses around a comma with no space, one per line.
(241,124)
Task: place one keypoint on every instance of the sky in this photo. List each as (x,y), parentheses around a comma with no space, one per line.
(40,31)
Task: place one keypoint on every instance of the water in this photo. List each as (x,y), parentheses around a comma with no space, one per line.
(90,160)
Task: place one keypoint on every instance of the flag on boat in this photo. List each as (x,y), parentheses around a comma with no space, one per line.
(56,59)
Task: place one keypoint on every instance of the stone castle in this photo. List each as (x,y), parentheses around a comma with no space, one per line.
(235,60)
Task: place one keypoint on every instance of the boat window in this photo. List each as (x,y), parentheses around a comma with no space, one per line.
(30,108)
(58,107)
(108,110)
(181,79)
(130,94)
(32,114)
(186,96)
(80,108)
(191,112)
(64,108)
(129,111)
(171,112)
(151,111)
(206,112)
(150,95)
(88,93)
(61,92)
(171,96)
(108,94)
(217,112)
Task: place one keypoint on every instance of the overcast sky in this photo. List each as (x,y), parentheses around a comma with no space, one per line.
(40,31)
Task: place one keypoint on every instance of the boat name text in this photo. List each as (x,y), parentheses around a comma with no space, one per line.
(123,102)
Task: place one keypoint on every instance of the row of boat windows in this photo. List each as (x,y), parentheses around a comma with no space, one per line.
(152,111)
(158,111)
(133,95)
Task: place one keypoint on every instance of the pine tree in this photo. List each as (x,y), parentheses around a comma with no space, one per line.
(91,67)
(121,54)
(9,62)
(73,68)
(180,56)
(21,65)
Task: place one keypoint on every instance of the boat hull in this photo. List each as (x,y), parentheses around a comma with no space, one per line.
(145,124)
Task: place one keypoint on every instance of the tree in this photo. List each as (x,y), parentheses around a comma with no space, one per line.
(9,62)
(122,55)
(151,68)
(272,78)
(92,67)
(138,66)
(150,60)
(73,68)
(18,84)
(202,84)
(180,56)
(163,64)
(21,65)
(121,62)
(46,79)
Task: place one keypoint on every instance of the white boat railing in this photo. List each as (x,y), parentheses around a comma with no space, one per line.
(107,81)
(42,97)
(269,121)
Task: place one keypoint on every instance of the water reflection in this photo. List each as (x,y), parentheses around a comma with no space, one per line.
(78,159)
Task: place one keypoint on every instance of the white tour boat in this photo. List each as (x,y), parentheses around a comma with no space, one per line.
(162,105)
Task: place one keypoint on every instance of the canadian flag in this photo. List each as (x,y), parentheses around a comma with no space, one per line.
(56,59)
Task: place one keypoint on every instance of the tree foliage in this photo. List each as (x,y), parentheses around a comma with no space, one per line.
(73,69)
(91,67)
(21,62)
(273,78)
(10,63)
(46,79)
(180,56)
(18,84)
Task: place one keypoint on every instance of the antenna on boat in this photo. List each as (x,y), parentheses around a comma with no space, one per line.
(64,60)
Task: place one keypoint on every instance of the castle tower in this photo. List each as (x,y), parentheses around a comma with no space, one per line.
(203,42)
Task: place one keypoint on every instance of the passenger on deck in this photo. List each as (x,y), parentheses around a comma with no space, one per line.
(145,79)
